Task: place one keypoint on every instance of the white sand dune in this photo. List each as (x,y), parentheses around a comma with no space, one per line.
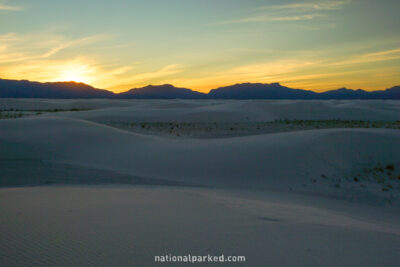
(309,193)
(286,161)
(115,226)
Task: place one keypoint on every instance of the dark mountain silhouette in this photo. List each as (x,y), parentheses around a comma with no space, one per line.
(277,91)
(165,91)
(344,93)
(391,93)
(260,91)
(27,89)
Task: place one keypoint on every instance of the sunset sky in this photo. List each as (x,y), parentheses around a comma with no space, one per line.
(202,44)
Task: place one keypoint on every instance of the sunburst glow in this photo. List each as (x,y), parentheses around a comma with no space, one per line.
(75,73)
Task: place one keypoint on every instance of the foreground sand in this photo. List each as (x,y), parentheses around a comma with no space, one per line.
(321,197)
(128,226)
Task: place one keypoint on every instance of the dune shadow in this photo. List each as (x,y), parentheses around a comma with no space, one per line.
(29,172)
(269,219)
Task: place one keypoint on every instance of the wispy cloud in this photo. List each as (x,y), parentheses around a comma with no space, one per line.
(8,37)
(385,55)
(68,44)
(43,45)
(9,7)
(291,12)
(165,71)
(266,18)
(145,78)
(309,6)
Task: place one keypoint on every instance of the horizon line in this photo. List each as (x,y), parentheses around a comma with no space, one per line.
(163,84)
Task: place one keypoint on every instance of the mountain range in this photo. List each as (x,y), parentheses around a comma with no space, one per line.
(28,89)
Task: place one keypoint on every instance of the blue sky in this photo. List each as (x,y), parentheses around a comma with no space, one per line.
(202,44)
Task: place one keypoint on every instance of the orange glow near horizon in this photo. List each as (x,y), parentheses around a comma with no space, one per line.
(300,74)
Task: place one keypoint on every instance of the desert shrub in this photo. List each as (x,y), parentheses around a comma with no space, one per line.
(390,167)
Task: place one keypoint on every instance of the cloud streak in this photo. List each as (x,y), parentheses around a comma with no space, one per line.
(67,44)
(310,6)
(385,55)
(305,11)
(145,78)
(9,8)
(268,18)
(14,47)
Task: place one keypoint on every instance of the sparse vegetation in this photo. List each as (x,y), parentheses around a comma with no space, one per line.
(18,113)
(44,110)
(204,129)
(11,115)
(340,123)
(390,167)
(373,179)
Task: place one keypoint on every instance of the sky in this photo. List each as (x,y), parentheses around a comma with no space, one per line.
(202,44)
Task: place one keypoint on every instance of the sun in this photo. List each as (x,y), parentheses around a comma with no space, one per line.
(75,73)
(73,76)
